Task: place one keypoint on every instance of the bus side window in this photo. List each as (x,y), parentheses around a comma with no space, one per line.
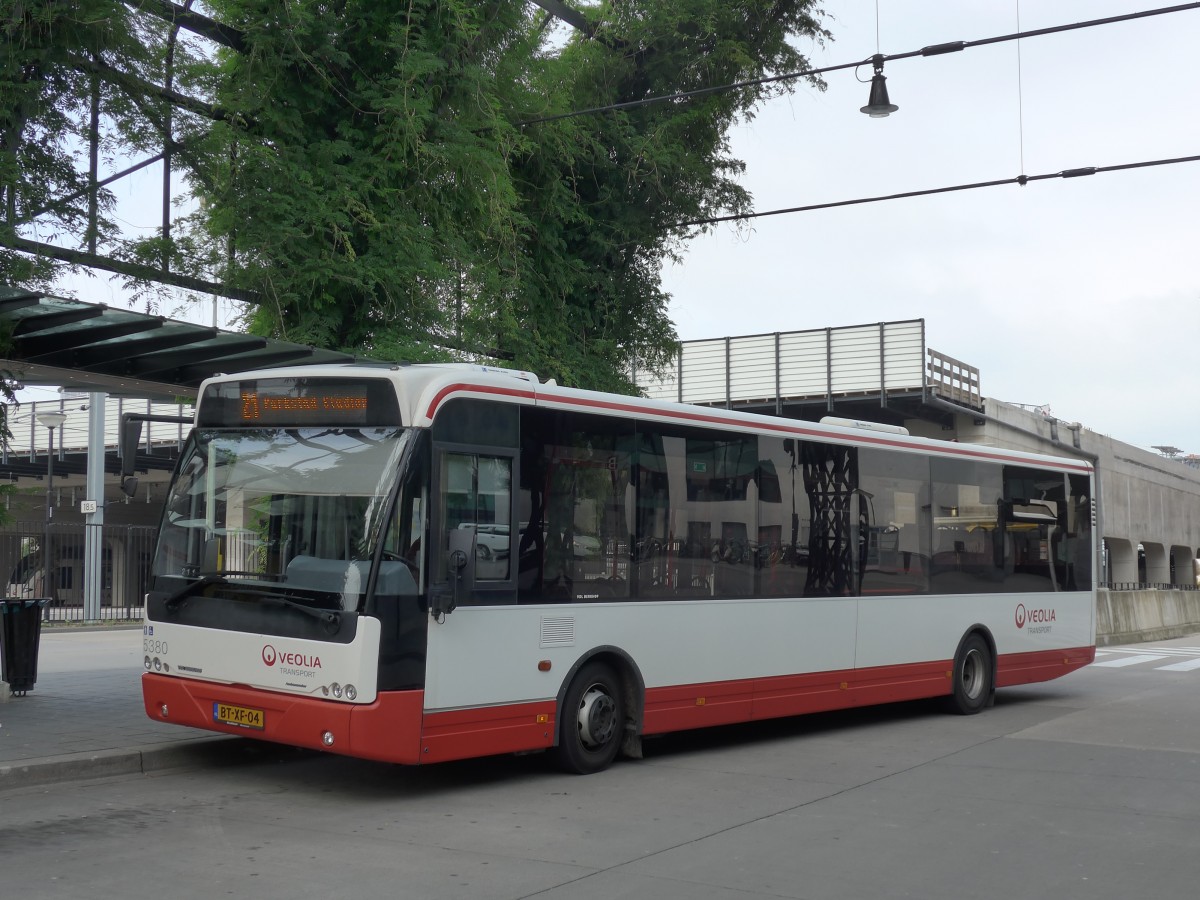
(896,488)
(574,507)
(475,517)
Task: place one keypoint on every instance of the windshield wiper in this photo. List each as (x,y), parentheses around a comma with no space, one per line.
(172,602)
(331,619)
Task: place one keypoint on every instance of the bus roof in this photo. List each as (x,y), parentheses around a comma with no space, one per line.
(424,389)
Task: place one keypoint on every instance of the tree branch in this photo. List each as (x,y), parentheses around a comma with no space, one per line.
(133,84)
(121,267)
(572,17)
(217,32)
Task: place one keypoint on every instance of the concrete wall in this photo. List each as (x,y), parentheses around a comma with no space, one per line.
(1146,499)
(1148,615)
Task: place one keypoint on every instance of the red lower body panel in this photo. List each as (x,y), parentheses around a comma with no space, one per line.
(698,706)
(1026,668)
(395,728)
(487,730)
(388,729)
(720,703)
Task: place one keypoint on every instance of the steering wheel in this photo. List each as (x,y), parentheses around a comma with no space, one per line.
(392,556)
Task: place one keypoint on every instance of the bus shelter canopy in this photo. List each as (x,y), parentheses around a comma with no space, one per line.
(90,347)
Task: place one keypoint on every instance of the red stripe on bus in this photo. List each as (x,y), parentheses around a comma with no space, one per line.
(949,448)
(721,703)
(486,731)
(441,395)
(388,729)
(395,729)
(1042,665)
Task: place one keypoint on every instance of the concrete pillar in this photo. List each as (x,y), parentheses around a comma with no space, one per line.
(1122,561)
(93,522)
(1182,563)
(1158,564)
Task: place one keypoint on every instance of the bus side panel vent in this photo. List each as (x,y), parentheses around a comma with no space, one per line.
(558,631)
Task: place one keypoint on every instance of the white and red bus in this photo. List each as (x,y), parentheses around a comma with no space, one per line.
(426,563)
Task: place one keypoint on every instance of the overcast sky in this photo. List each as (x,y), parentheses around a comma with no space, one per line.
(1083,294)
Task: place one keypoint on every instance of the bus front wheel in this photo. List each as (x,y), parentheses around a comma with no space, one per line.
(592,722)
(972,677)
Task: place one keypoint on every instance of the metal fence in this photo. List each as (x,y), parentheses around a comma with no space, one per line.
(1146,586)
(820,362)
(125,556)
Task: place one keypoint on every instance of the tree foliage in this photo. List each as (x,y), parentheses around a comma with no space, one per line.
(55,56)
(372,178)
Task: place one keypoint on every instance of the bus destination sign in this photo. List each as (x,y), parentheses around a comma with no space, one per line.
(299,401)
(256,405)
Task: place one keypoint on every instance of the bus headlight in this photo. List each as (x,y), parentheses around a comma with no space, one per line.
(351,692)
(336,690)
(149,664)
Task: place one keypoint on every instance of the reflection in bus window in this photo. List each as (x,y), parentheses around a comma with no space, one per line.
(476,516)
(697,516)
(299,506)
(574,507)
(1003,528)
(897,545)
(840,516)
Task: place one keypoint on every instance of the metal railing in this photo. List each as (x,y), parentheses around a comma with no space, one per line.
(1146,586)
(953,380)
(30,440)
(126,551)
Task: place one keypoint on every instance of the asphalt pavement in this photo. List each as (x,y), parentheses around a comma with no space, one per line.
(84,716)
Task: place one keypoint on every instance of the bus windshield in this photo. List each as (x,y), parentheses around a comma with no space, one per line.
(298,508)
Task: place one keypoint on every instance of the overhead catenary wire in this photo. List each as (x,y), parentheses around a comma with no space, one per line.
(1021,180)
(931,50)
(1020,96)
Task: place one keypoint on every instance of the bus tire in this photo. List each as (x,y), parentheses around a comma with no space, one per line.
(592,724)
(972,677)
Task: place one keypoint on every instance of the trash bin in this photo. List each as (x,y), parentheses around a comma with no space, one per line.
(20,632)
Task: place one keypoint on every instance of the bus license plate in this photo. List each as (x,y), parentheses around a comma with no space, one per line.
(241,716)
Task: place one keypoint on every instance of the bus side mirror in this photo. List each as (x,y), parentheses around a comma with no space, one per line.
(128,437)
(460,573)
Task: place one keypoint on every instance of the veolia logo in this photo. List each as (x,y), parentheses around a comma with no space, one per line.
(289,658)
(1040,616)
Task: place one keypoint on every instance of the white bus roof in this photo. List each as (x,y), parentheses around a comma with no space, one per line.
(422,390)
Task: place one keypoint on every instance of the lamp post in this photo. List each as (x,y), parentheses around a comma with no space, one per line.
(51,420)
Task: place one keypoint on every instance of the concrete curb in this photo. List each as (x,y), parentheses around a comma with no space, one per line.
(108,763)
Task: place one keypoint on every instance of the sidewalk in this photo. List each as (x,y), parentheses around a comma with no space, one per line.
(84,717)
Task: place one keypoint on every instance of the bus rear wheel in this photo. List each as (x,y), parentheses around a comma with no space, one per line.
(592,722)
(972,677)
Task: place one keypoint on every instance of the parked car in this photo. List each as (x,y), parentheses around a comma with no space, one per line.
(491,541)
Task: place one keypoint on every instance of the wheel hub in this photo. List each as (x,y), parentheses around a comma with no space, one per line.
(597,717)
(973,674)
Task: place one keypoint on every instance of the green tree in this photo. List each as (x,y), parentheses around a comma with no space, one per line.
(364,190)
(607,193)
(372,173)
(400,205)
(57,57)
